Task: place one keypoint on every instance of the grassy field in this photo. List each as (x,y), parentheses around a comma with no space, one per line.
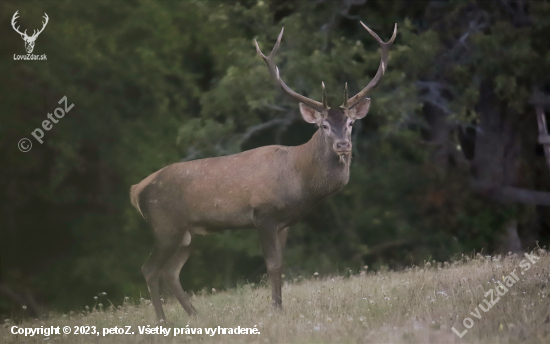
(416,305)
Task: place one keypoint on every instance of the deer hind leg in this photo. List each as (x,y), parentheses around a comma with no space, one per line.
(171,276)
(151,271)
(273,255)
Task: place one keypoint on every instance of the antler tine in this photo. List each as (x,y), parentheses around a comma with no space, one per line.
(269,59)
(345,96)
(385,47)
(275,74)
(324,98)
(14,18)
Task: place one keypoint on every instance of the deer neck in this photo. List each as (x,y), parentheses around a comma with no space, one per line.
(323,171)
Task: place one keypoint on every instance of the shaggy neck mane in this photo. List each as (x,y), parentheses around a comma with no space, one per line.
(323,171)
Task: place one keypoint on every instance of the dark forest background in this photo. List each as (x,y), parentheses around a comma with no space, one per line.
(447,162)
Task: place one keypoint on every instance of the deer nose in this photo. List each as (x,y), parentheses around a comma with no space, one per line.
(342,146)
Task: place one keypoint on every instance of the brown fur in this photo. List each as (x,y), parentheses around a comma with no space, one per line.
(241,190)
(136,189)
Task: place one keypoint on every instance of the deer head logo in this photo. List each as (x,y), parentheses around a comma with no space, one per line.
(29,40)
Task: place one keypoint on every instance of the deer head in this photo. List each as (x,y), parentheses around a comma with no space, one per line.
(29,40)
(335,124)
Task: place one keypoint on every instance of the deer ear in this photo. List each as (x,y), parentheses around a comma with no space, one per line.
(309,114)
(360,110)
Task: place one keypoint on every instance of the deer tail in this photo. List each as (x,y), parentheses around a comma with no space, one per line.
(134,197)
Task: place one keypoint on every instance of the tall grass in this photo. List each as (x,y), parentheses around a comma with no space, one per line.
(416,305)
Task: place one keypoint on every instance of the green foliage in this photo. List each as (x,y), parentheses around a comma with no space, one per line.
(156,82)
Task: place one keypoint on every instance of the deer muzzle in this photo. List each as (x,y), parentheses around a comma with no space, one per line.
(342,147)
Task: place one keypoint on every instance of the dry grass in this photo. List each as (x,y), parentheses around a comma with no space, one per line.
(417,305)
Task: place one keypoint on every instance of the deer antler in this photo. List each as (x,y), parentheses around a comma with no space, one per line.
(349,103)
(275,74)
(13,19)
(34,35)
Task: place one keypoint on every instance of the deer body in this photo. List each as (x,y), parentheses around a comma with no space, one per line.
(268,188)
(275,184)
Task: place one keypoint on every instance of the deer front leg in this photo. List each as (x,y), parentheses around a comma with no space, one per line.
(273,255)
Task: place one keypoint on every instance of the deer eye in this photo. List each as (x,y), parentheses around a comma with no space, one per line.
(324,126)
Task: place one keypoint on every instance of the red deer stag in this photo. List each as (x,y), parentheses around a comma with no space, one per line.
(268,188)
